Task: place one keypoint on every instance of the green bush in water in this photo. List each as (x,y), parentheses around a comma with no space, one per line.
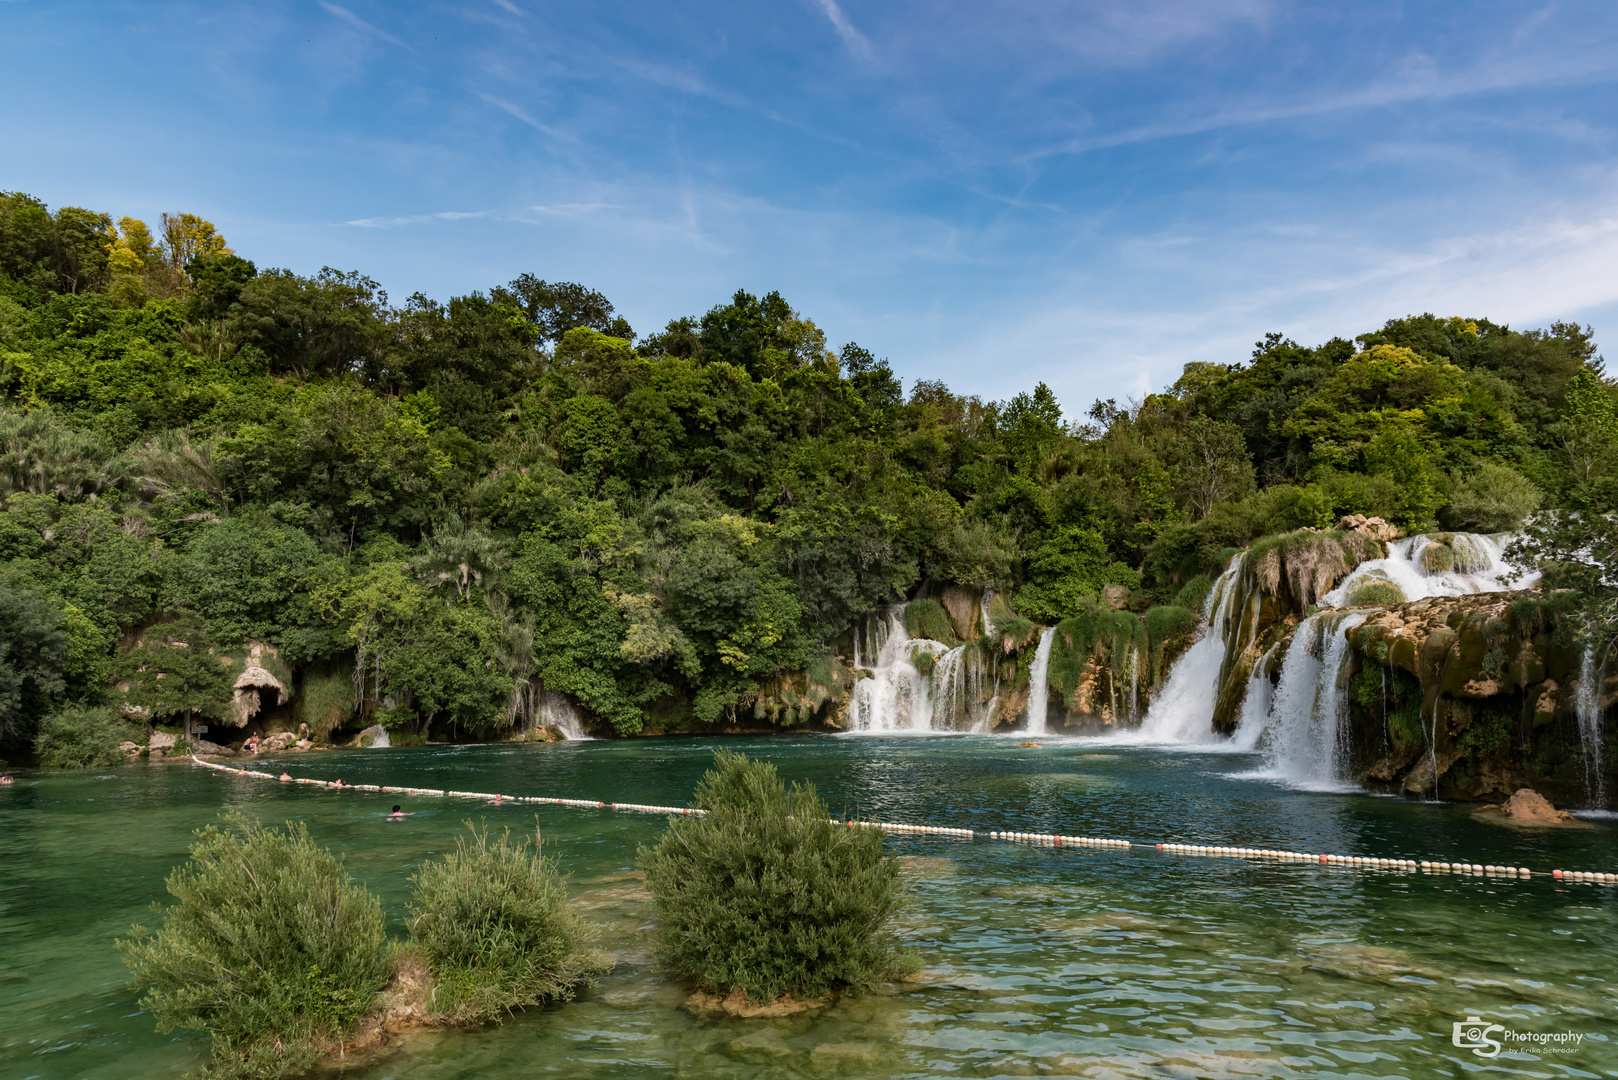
(492,923)
(270,949)
(928,619)
(1437,559)
(1376,592)
(766,894)
(82,736)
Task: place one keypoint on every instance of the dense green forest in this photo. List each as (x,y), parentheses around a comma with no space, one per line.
(437,512)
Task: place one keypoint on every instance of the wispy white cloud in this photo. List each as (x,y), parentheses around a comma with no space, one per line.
(509,6)
(360,24)
(415,219)
(576,210)
(1417,82)
(846,30)
(520,114)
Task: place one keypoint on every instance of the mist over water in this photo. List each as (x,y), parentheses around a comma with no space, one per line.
(1039,961)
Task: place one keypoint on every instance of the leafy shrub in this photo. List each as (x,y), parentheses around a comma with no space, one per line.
(1078,637)
(82,736)
(928,619)
(1193,593)
(1068,569)
(270,949)
(325,701)
(1013,633)
(983,554)
(491,921)
(1493,498)
(1376,592)
(1437,558)
(767,895)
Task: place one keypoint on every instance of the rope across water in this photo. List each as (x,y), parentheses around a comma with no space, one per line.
(1349,862)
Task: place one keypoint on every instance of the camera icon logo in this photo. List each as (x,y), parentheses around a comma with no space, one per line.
(1476,1035)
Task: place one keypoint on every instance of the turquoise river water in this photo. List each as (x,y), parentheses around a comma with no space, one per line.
(1039,961)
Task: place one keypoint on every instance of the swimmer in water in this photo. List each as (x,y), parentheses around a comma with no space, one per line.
(397,813)
(6,779)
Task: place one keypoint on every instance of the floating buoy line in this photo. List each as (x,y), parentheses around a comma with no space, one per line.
(1351,862)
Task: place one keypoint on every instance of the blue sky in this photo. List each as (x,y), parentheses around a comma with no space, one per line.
(992,194)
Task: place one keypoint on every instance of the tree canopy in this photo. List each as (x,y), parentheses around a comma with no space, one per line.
(476,501)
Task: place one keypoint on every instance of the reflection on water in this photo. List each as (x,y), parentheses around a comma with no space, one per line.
(1040,961)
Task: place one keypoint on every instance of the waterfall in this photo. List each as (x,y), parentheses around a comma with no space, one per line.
(1183,711)
(1478,565)
(1304,735)
(1039,683)
(1256,704)
(557,711)
(894,697)
(1587,707)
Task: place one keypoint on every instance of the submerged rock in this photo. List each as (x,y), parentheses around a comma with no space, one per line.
(854,1057)
(736,1004)
(1528,807)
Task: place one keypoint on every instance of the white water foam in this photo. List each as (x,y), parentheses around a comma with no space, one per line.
(1182,714)
(557,711)
(894,699)
(1304,733)
(1587,708)
(1039,683)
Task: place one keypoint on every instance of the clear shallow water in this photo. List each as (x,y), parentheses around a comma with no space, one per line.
(1040,962)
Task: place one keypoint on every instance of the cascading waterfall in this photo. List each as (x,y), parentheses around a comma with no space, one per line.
(1587,707)
(1256,704)
(1478,565)
(894,698)
(1304,735)
(557,711)
(1183,712)
(1039,683)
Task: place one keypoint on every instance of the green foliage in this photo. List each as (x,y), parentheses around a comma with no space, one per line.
(1166,622)
(928,619)
(979,553)
(765,894)
(474,498)
(247,576)
(175,669)
(1066,570)
(269,949)
(1493,498)
(325,700)
(1437,558)
(492,922)
(33,652)
(1376,592)
(82,736)
(1078,637)
(1576,553)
